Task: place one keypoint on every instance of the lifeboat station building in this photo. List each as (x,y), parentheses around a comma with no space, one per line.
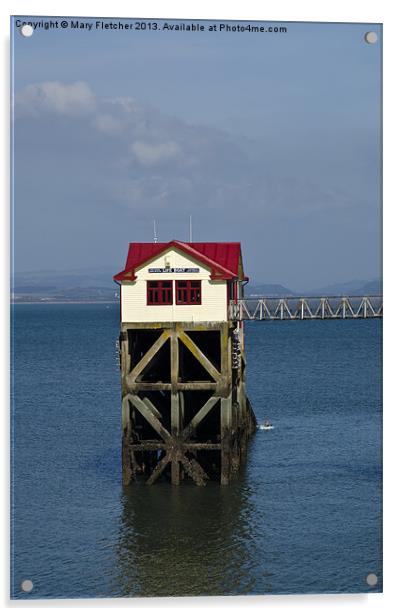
(180,281)
(185,413)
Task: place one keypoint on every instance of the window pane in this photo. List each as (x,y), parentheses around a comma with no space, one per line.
(195,296)
(188,291)
(153,296)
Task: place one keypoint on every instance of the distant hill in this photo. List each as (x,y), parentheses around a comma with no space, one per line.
(370,288)
(50,280)
(91,285)
(353,287)
(267,290)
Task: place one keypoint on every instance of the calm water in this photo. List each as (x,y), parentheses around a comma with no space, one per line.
(304,516)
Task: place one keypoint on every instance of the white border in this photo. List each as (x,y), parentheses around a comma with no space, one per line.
(293,10)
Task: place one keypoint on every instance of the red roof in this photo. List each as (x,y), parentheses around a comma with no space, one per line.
(224,258)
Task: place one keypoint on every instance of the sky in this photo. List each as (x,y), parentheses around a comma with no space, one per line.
(270,139)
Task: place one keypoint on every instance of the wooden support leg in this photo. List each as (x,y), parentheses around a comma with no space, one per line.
(235,446)
(175,416)
(225,425)
(175,429)
(124,353)
(127,471)
(158,470)
(194,470)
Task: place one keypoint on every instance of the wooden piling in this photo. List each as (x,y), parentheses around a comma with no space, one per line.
(226,439)
(162,432)
(175,420)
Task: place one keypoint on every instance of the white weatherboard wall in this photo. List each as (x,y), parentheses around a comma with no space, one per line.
(134,294)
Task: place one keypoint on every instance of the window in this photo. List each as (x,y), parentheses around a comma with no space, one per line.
(159,292)
(188,291)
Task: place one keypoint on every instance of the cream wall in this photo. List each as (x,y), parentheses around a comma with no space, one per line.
(134,294)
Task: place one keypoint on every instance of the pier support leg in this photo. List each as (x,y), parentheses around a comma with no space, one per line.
(235,442)
(175,415)
(127,470)
(175,429)
(225,433)
(126,465)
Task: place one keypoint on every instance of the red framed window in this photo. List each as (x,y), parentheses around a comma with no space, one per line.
(159,292)
(188,292)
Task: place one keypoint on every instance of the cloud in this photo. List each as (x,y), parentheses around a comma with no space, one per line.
(108,124)
(54,97)
(149,154)
(159,163)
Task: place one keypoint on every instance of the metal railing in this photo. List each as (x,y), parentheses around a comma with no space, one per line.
(302,308)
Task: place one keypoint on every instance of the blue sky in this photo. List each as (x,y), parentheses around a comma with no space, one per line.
(268,139)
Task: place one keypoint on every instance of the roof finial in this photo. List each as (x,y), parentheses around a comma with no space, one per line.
(191,230)
(155,232)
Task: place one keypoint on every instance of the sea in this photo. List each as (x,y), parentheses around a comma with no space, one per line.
(304,514)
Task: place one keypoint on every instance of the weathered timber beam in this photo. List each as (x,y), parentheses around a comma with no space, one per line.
(175,468)
(200,385)
(194,386)
(125,415)
(145,360)
(159,469)
(124,354)
(135,466)
(175,415)
(152,407)
(199,355)
(155,445)
(198,417)
(175,429)
(133,387)
(194,469)
(197,327)
(149,446)
(150,417)
(127,471)
(225,427)
(198,469)
(225,357)
(174,359)
(190,446)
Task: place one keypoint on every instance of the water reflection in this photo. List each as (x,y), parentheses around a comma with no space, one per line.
(188,541)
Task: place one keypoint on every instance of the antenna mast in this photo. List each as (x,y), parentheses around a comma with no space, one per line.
(191,230)
(155,232)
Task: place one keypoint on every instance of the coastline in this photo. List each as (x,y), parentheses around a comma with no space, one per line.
(66,302)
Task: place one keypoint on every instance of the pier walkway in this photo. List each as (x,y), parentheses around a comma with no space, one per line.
(302,308)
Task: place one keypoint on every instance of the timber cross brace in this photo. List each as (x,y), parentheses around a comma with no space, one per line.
(184,407)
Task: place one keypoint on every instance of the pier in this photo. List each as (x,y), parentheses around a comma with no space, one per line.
(303,308)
